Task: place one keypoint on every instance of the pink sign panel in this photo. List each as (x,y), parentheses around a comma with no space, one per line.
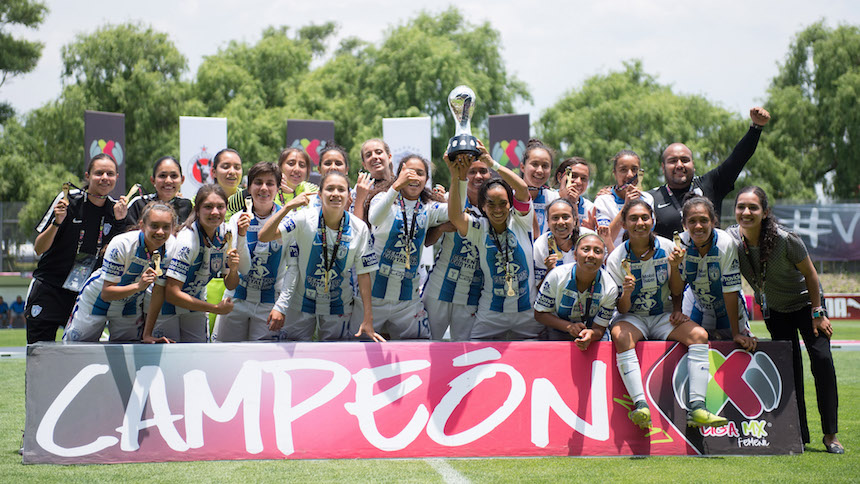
(94,403)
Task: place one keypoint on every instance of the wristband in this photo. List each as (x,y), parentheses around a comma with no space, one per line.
(818,312)
(521,206)
(756,126)
(54,223)
(496,165)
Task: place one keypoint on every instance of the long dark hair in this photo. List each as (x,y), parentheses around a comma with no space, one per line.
(426,194)
(562,167)
(769,225)
(202,193)
(574,234)
(485,187)
(628,205)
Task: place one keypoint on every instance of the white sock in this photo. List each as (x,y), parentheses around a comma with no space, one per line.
(631,375)
(698,367)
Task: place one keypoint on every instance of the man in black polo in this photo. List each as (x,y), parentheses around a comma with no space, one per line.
(677,165)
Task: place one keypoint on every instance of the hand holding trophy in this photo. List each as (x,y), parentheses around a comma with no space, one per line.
(462,147)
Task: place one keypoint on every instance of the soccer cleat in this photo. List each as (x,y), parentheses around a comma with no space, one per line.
(641,415)
(701,417)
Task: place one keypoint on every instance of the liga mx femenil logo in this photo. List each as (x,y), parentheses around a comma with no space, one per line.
(201,167)
(751,382)
(509,153)
(312,147)
(110,147)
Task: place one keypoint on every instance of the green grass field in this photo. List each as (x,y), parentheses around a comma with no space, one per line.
(813,466)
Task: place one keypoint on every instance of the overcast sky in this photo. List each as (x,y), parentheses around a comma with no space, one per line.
(726,51)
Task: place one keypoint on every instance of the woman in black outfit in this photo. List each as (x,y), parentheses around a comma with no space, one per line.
(71,237)
(776,264)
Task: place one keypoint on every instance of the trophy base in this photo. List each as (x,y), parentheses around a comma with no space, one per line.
(463,144)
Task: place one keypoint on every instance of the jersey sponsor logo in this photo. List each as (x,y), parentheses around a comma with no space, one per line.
(370,260)
(545,301)
(732,280)
(663,205)
(76,221)
(294,251)
(289,225)
(452,274)
(735,265)
(114,255)
(183,253)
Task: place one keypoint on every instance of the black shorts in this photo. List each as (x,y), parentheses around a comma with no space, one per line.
(48,308)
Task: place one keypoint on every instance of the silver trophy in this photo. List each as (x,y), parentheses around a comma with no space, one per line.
(462,104)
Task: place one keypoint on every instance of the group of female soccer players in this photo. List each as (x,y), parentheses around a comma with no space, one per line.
(514,260)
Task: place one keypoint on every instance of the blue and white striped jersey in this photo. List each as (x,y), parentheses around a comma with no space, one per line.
(651,294)
(261,283)
(126,258)
(559,295)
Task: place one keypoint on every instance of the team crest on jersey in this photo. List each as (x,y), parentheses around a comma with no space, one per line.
(713,273)
(114,254)
(107,228)
(662,274)
(35,310)
(341,251)
(216,262)
(183,253)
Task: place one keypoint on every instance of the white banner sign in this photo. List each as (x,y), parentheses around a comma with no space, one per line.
(199,140)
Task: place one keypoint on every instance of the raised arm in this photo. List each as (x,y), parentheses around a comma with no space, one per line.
(457,195)
(729,170)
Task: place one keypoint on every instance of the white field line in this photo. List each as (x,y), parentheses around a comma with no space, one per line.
(448,473)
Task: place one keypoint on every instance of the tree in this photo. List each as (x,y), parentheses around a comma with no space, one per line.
(134,70)
(815,107)
(19,56)
(629,109)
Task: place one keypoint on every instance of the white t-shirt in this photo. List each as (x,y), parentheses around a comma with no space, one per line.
(559,295)
(542,252)
(301,230)
(126,258)
(456,276)
(609,205)
(194,264)
(651,295)
(710,276)
(263,279)
(517,242)
(394,281)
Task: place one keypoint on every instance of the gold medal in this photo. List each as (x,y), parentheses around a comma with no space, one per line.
(509,279)
(625,263)
(569,173)
(131,192)
(677,239)
(249,204)
(228,240)
(156,261)
(553,246)
(66,188)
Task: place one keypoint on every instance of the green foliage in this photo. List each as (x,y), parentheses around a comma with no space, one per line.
(19,56)
(815,107)
(630,109)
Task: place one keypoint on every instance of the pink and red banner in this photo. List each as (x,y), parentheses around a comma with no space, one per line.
(93,403)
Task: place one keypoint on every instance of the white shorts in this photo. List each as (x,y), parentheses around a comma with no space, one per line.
(89,327)
(656,328)
(506,326)
(398,319)
(192,327)
(299,326)
(708,320)
(246,322)
(441,314)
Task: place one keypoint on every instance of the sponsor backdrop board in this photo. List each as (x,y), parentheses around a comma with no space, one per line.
(406,136)
(839,306)
(830,232)
(509,134)
(310,136)
(105,133)
(102,403)
(200,139)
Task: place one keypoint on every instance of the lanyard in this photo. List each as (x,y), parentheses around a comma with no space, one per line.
(409,230)
(584,312)
(98,242)
(759,276)
(328,262)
